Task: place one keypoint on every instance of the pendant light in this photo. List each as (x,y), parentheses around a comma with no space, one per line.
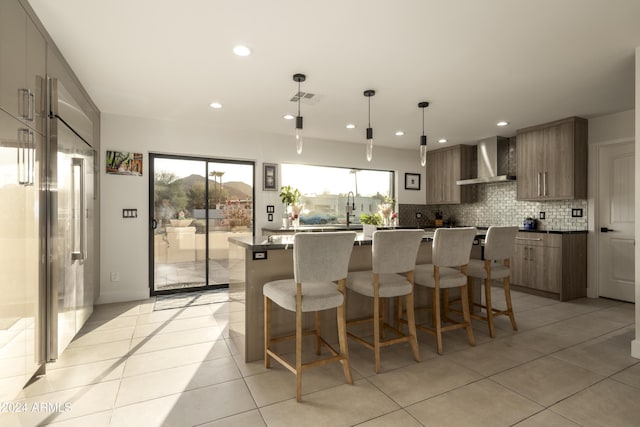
(369,93)
(299,78)
(423,138)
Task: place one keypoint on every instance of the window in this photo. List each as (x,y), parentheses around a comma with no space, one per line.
(325,189)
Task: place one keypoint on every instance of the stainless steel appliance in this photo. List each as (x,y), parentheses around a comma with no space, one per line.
(71,175)
(496,161)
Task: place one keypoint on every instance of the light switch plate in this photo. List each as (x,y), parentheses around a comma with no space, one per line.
(542,215)
(576,212)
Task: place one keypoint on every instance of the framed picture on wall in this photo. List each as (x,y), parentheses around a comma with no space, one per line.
(411,181)
(269,176)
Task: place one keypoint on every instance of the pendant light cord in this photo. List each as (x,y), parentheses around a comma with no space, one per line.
(369,111)
(423,122)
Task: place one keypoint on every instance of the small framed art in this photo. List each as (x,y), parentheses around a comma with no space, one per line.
(269,176)
(411,181)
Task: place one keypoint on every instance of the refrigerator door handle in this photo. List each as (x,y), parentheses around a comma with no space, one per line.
(78,250)
(23,153)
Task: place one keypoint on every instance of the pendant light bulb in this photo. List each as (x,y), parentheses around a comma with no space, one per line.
(369,93)
(299,135)
(423,137)
(369,144)
(299,78)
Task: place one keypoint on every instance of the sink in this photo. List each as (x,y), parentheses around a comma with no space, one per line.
(180,222)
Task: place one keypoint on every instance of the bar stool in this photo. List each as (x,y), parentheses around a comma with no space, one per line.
(498,249)
(394,254)
(319,260)
(451,248)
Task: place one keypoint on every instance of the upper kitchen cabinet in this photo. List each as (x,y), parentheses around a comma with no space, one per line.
(552,161)
(23,70)
(444,168)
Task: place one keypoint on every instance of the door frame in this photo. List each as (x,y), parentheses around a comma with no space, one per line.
(152,156)
(593,221)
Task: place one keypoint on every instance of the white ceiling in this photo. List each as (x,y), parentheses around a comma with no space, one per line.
(476,62)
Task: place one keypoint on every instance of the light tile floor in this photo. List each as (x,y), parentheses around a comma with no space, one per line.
(569,364)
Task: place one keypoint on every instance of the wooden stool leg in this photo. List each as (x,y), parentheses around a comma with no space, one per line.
(445,305)
(267,332)
(434,295)
(487,297)
(464,297)
(472,303)
(383,316)
(507,296)
(399,313)
(411,324)
(376,331)
(342,334)
(299,344)
(436,309)
(318,332)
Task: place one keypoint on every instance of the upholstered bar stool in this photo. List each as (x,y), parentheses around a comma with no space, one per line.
(498,249)
(394,254)
(319,260)
(450,256)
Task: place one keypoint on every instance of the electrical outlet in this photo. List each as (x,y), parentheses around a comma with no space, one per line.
(542,215)
(115,276)
(418,215)
(576,212)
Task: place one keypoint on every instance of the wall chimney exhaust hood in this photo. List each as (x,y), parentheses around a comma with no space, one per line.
(496,161)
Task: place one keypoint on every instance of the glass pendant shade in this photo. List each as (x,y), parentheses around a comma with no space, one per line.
(423,138)
(299,135)
(298,78)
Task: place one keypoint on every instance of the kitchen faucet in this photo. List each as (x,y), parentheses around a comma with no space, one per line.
(350,208)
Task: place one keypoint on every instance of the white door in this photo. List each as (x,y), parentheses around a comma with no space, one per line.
(616,198)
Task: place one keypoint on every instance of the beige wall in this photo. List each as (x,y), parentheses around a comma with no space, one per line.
(124,242)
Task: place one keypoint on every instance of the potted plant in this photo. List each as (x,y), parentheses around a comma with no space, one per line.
(370,223)
(290,198)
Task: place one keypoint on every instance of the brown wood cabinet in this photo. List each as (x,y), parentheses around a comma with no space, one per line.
(444,168)
(23,59)
(553,264)
(552,161)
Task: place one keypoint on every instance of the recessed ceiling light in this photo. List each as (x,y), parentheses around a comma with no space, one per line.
(288,117)
(216,105)
(241,50)
(399,133)
(442,140)
(502,123)
(351,126)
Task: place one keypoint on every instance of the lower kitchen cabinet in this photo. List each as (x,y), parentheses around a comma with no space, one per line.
(551,264)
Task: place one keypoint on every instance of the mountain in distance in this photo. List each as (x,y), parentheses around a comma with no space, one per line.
(235,189)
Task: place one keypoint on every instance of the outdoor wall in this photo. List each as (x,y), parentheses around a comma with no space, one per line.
(125,242)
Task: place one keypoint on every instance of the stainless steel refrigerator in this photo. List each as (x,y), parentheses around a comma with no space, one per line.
(70,293)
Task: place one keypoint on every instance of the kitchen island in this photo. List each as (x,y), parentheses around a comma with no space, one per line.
(258,260)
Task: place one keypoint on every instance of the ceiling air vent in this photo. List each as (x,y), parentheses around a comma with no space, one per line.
(305,98)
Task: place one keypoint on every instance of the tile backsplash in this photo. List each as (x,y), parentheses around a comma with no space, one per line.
(497,205)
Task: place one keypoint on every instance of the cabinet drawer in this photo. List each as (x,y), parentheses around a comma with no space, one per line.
(539,239)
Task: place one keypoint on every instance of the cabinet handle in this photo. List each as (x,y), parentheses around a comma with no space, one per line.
(31,169)
(23,157)
(27,104)
(539,179)
(531,254)
(534,239)
(525,253)
(544,182)
(31,108)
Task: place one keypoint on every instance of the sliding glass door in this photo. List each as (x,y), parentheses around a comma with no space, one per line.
(195,205)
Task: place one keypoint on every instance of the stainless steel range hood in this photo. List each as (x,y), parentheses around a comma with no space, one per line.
(496,161)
